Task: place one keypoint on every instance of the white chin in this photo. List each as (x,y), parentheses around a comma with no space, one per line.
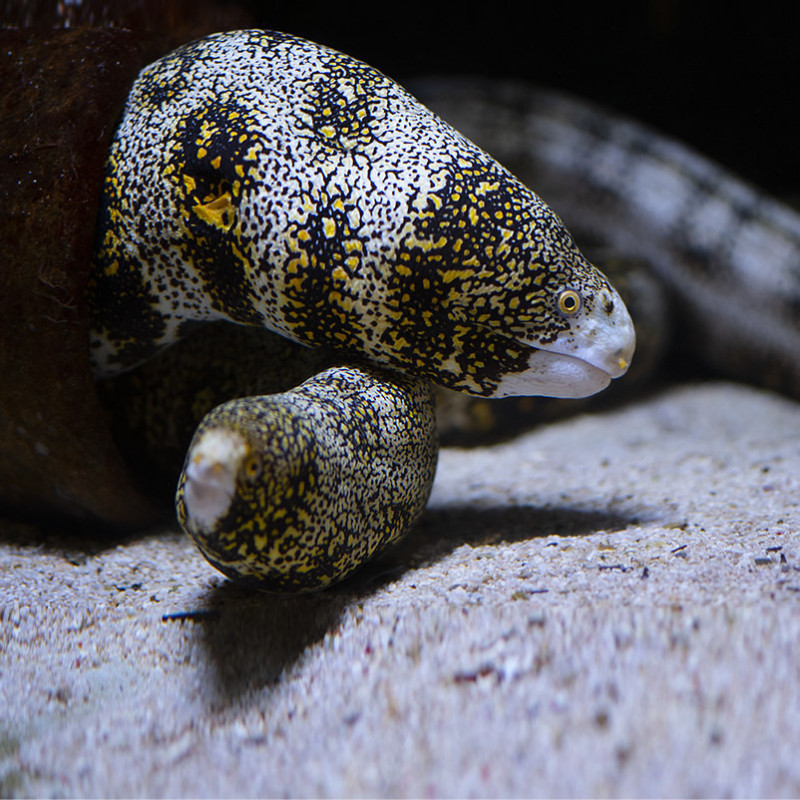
(554,375)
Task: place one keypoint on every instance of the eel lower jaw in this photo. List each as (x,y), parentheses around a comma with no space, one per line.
(554,375)
(210,483)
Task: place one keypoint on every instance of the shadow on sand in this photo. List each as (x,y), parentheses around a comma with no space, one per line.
(252,638)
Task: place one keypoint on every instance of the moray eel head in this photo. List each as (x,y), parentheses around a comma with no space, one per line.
(596,346)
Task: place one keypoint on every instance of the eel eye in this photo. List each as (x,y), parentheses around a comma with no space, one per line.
(569,302)
(253,468)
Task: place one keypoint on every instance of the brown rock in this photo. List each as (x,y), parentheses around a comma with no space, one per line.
(62,93)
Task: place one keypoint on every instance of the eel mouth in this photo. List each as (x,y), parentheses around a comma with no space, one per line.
(558,375)
(581,363)
(211,468)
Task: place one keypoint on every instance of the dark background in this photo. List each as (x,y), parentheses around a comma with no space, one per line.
(722,76)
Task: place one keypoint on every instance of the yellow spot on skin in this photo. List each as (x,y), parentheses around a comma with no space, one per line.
(242,257)
(240,170)
(339,274)
(219,212)
(202,152)
(473,215)
(425,244)
(400,343)
(110,240)
(189,182)
(457,274)
(329,228)
(112,268)
(216,162)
